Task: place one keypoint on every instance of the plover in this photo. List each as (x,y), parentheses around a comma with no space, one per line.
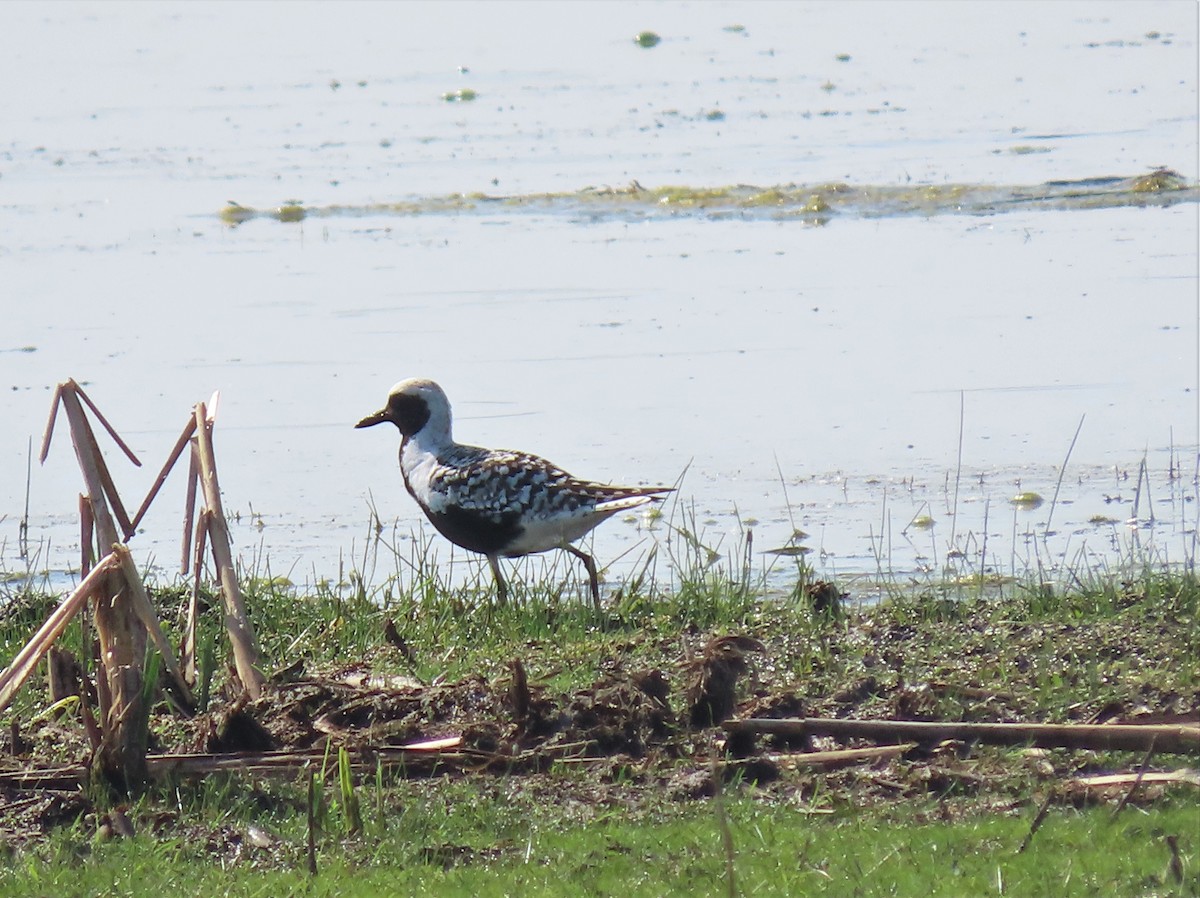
(496,502)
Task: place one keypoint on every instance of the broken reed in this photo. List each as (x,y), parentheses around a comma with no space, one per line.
(124,617)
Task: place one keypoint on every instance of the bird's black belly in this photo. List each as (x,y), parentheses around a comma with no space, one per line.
(487,534)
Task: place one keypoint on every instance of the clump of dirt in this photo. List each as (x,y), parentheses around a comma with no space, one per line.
(27,813)
(622,713)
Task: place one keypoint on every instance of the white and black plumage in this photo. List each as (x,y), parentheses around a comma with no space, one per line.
(494,501)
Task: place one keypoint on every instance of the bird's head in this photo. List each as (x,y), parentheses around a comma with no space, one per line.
(414,405)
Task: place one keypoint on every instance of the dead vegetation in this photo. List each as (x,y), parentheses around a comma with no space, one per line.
(888,705)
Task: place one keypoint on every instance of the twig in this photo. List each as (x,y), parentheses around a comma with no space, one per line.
(843,757)
(1137,490)
(100,417)
(176,451)
(23,529)
(1062,471)
(1037,823)
(1121,737)
(1183,776)
(1175,865)
(55,401)
(1141,774)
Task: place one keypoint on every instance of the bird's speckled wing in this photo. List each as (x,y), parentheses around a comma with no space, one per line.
(501,482)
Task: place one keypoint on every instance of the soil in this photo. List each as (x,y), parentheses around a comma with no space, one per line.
(646,733)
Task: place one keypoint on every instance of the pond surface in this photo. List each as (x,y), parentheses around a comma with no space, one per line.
(848,371)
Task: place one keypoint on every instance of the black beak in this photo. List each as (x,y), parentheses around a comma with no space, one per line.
(377,418)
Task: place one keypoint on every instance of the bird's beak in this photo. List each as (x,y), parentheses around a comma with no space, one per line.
(377,418)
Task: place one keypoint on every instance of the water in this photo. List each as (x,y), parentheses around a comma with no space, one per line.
(804,377)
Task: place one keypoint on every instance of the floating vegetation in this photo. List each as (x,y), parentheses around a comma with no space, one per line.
(789,551)
(291,210)
(1027,499)
(810,203)
(1159,180)
(462,95)
(647,39)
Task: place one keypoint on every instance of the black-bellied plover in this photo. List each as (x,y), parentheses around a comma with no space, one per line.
(499,503)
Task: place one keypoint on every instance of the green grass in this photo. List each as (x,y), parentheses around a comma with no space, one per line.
(943,825)
(457,840)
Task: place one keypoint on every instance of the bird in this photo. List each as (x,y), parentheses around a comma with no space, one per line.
(496,502)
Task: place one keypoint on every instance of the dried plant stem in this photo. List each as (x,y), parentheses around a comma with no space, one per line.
(96,476)
(188,653)
(176,451)
(55,402)
(23,664)
(1166,738)
(1061,472)
(144,609)
(241,635)
(87,529)
(1038,819)
(100,417)
(189,510)
(962,417)
(121,624)
(1141,775)
(122,637)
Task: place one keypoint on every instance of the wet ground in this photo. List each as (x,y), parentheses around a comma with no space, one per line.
(642,735)
(841,367)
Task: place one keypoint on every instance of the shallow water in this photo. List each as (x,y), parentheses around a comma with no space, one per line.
(804,376)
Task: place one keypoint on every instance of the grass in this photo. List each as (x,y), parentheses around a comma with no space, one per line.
(462,839)
(950,823)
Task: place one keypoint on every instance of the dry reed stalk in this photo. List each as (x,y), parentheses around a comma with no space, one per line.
(122,753)
(144,609)
(87,530)
(124,615)
(188,651)
(23,664)
(84,438)
(1136,778)
(842,757)
(173,457)
(1120,737)
(189,507)
(116,437)
(241,635)
(416,759)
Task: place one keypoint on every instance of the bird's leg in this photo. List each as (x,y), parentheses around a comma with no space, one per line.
(590,564)
(501,586)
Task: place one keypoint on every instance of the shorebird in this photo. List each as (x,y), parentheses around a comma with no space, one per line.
(496,502)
